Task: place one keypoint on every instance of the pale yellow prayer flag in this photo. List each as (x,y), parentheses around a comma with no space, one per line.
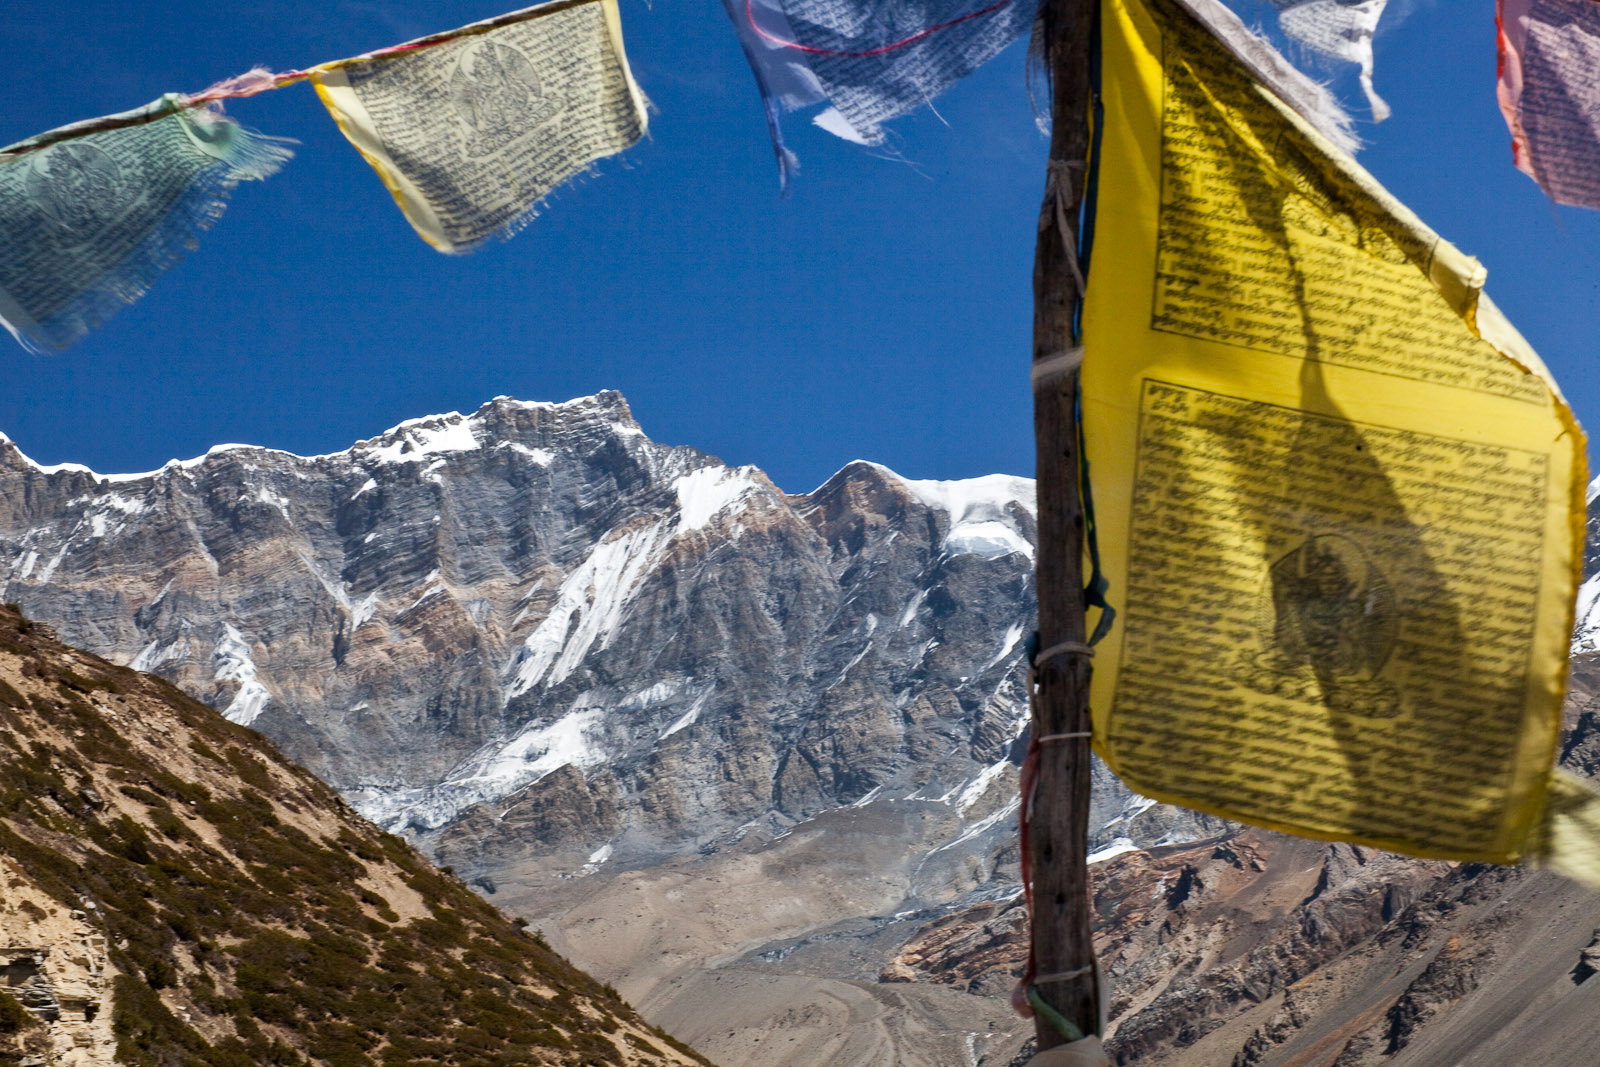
(470,130)
(1569,841)
(1339,499)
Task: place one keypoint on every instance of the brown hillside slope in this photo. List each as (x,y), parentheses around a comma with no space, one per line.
(173,892)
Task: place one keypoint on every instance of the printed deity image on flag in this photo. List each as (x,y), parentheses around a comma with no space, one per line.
(1339,499)
(470,135)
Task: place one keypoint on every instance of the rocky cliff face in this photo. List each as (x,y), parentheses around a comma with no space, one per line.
(536,613)
(173,891)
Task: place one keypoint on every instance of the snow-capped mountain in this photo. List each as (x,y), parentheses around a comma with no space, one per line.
(550,648)
(749,756)
(445,614)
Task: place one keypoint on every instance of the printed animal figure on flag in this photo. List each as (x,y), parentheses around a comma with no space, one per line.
(79,187)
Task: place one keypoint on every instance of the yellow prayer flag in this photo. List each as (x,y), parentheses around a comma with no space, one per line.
(1339,499)
(471,129)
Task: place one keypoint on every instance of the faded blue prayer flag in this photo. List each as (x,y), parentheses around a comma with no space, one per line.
(871,60)
(90,220)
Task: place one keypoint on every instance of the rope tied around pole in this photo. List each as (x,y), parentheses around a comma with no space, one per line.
(1047,371)
(1063,648)
(1062,976)
(1061,1023)
(1058,189)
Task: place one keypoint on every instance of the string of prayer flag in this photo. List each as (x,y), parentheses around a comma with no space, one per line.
(1550,94)
(1339,496)
(471,134)
(89,221)
(869,61)
(469,129)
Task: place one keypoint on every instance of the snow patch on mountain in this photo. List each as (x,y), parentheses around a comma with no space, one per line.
(537,751)
(428,594)
(706,493)
(542,456)
(597,859)
(591,604)
(980,510)
(158,653)
(979,786)
(265,495)
(1013,635)
(418,439)
(411,441)
(231,662)
(171,466)
(912,608)
(689,717)
(652,694)
(967,498)
(24,564)
(1115,848)
(977,829)
(359,612)
(1586,635)
(55,561)
(991,540)
(495,772)
(1120,825)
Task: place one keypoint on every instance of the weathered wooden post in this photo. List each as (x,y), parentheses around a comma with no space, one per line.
(1059,827)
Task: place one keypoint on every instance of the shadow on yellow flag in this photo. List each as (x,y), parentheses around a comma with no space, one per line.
(1340,499)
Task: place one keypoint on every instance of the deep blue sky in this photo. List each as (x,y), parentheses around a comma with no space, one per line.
(882,312)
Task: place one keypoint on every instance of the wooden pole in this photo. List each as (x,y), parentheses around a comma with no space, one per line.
(1059,826)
